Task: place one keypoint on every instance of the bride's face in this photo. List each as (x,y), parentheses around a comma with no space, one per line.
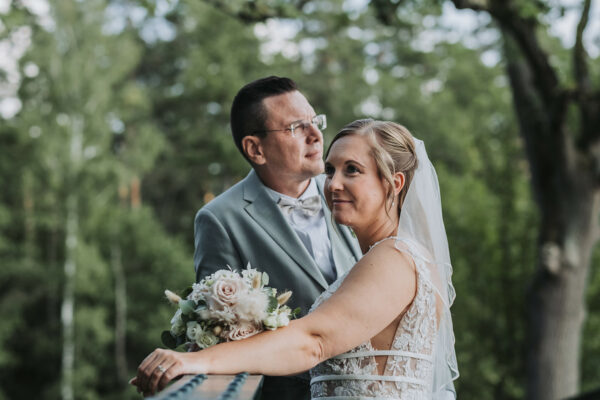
(354,191)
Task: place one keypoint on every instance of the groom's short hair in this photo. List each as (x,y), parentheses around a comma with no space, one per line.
(248,113)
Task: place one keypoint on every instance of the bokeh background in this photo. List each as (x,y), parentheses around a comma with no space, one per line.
(114,131)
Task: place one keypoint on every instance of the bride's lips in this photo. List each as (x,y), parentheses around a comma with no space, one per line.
(339,202)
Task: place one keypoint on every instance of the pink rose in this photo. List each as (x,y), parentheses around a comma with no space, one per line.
(225,292)
(243,330)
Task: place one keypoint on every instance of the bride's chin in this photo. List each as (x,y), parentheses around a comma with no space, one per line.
(340,217)
(344,221)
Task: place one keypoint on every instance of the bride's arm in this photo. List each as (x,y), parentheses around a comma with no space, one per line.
(374,293)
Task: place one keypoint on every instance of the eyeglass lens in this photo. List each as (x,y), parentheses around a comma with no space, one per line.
(320,121)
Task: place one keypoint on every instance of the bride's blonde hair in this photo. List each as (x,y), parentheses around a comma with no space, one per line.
(392,148)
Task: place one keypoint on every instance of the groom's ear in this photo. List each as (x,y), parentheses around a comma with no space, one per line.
(254,151)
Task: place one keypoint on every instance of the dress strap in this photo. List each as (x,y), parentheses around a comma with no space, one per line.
(384,378)
(375,353)
(353,398)
(382,240)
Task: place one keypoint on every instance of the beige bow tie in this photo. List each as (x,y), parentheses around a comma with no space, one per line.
(309,206)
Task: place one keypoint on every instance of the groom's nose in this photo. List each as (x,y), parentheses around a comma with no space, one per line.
(313,134)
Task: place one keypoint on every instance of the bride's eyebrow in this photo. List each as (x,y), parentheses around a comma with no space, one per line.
(351,161)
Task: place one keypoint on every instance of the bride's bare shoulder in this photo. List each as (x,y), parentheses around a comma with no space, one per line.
(385,254)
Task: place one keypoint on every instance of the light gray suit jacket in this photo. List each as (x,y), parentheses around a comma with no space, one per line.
(245,225)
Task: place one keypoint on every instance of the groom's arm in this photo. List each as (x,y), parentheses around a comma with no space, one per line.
(214,249)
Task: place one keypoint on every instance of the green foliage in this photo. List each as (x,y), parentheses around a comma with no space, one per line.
(168,340)
(264,277)
(158,113)
(272,304)
(295,312)
(590,370)
(187,306)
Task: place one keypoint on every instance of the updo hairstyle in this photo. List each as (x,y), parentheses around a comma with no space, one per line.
(392,148)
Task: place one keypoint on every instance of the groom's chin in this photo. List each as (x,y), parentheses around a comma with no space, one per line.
(317,167)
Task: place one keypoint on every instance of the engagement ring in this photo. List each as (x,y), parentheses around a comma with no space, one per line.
(161,369)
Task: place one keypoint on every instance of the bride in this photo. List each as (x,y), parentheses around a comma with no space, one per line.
(382,331)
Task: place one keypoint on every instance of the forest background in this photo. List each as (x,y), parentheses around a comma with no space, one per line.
(114,131)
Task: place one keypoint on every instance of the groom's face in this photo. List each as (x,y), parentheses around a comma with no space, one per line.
(291,157)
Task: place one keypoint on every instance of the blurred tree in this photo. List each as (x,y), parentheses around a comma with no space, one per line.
(192,80)
(71,161)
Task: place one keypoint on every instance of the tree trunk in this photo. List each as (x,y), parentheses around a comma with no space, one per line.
(120,312)
(565,188)
(68,303)
(557,297)
(70,266)
(29,217)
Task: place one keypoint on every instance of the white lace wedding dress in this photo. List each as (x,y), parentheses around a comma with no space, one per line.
(408,372)
(421,363)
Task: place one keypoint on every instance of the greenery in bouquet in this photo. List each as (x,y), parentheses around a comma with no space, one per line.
(226,306)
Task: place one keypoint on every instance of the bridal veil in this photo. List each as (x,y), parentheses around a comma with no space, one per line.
(421,233)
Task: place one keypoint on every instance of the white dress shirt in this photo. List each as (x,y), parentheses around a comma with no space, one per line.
(312,231)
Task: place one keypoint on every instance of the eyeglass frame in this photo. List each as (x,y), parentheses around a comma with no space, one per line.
(297,124)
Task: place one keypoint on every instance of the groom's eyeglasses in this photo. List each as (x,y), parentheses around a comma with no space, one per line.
(301,128)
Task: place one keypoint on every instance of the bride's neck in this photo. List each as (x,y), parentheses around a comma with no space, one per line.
(371,234)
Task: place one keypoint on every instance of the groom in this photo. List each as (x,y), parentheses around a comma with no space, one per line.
(276,218)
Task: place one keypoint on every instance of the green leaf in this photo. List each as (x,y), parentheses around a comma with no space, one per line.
(187,306)
(185,292)
(272,304)
(181,339)
(168,340)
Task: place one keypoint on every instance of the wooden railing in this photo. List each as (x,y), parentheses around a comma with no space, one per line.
(246,387)
(213,387)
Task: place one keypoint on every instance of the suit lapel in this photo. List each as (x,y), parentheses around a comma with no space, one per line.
(265,212)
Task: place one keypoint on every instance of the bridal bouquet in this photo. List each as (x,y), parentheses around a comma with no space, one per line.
(226,306)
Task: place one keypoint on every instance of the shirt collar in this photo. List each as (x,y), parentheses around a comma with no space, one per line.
(311,190)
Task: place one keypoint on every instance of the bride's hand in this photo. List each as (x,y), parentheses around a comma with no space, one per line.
(161,367)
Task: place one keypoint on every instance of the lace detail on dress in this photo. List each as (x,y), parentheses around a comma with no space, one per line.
(408,373)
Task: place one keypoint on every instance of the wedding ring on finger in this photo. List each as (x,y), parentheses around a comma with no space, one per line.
(161,369)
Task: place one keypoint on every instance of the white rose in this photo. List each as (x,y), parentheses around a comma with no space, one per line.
(270,322)
(193,330)
(252,306)
(243,330)
(206,339)
(282,320)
